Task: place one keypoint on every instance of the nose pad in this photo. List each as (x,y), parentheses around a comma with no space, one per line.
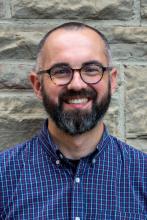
(76,83)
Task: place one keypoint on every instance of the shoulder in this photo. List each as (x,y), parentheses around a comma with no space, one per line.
(129,153)
(16,155)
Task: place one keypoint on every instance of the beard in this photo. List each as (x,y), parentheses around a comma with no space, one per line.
(75,122)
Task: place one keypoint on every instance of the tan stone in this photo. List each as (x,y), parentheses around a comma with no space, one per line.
(20,105)
(13,131)
(23,45)
(2,8)
(20,45)
(21,116)
(129,52)
(136,101)
(15,75)
(112,118)
(117,34)
(116,9)
(144,9)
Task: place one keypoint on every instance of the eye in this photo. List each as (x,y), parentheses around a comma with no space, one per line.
(92,69)
(60,70)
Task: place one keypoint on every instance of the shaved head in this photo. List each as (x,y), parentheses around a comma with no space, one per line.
(71,26)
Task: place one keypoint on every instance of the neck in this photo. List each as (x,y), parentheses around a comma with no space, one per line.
(78,146)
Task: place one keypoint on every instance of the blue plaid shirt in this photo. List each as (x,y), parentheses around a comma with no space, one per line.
(37,182)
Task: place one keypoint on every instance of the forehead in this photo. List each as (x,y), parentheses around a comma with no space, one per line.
(71,44)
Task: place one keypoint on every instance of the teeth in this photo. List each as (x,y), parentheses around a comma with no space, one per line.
(77,101)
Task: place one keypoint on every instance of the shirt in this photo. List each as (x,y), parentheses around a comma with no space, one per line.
(37,182)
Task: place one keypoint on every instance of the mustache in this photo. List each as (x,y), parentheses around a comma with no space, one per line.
(87,93)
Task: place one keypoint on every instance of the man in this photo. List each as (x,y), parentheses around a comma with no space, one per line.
(74,169)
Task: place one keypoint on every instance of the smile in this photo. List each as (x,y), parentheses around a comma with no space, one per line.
(77,101)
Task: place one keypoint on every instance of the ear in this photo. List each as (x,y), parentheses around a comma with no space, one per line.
(113,80)
(36,84)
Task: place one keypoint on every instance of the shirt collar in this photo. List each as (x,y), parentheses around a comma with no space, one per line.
(52,149)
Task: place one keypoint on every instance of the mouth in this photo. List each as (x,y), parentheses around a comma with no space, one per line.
(77,103)
(77,100)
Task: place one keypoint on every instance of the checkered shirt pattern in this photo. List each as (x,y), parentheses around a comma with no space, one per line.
(38,183)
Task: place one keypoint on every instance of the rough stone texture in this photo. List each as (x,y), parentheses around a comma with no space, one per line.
(18,45)
(20,105)
(21,117)
(127,43)
(14,75)
(129,52)
(115,9)
(2,9)
(136,102)
(144,9)
(16,131)
(128,35)
(112,118)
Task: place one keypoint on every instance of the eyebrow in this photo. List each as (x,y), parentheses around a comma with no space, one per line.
(96,62)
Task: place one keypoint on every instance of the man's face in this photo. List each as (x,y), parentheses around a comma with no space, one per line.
(77,107)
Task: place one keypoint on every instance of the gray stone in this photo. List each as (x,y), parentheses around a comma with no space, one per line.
(20,45)
(144,9)
(115,9)
(112,118)
(20,104)
(136,101)
(127,35)
(21,116)
(23,45)
(129,52)
(15,75)
(2,8)
(13,131)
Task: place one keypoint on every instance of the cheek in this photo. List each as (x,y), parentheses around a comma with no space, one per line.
(102,89)
(52,91)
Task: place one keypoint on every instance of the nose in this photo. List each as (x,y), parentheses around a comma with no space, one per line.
(76,83)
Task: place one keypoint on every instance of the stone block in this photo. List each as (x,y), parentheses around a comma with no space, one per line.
(13,131)
(84,9)
(112,117)
(136,102)
(20,104)
(23,44)
(144,9)
(129,52)
(19,45)
(2,8)
(127,35)
(21,116)
(15,75)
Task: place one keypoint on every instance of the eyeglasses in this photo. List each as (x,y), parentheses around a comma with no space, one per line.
(62,74)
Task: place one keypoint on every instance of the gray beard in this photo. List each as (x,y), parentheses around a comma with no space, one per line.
(76,122)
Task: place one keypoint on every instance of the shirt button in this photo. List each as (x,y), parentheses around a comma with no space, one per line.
(61,156)
(77,181)
(57,162)
(94,160)
(77,218)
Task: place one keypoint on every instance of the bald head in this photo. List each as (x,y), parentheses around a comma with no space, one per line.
(70,27)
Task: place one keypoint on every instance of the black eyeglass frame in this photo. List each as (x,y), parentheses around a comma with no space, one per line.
(48,71)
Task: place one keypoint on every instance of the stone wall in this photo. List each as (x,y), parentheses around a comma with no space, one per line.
(22,25)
